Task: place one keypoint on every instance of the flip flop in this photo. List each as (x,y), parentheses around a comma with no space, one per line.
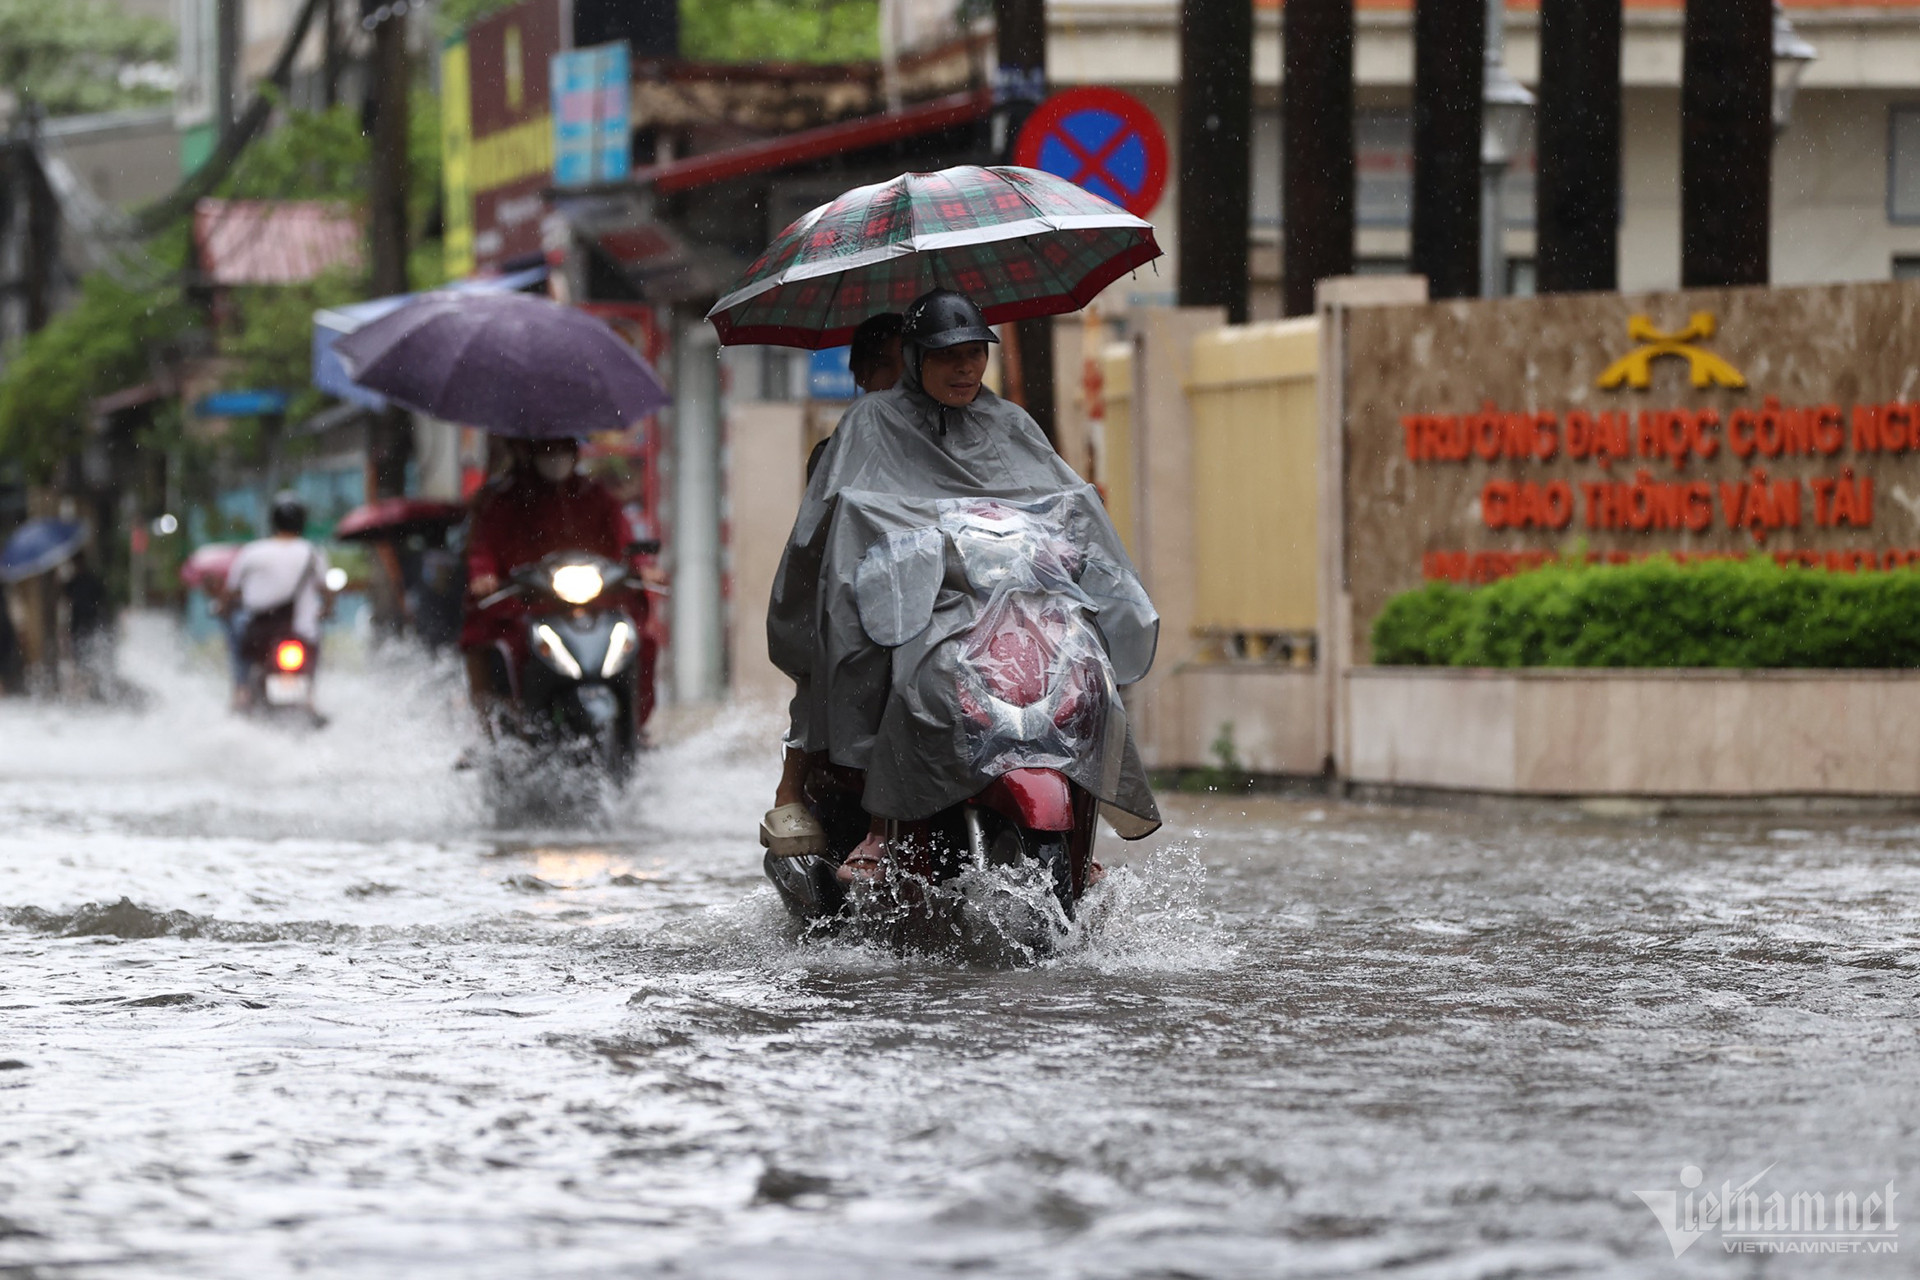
(863,865)
(791,831)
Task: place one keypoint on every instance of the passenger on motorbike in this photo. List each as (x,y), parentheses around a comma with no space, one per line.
(539,506)
(281,573)
(942,428)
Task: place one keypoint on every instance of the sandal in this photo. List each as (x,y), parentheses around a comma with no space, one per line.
(791,831)
(864,865)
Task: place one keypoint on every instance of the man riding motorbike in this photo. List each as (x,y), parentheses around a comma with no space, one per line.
(541,505)
(939,434)
(279,574)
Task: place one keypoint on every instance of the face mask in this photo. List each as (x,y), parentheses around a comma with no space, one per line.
(554,467)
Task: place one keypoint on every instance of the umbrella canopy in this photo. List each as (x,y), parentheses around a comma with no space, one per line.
(397,518)
(1018,242)
(207,567)
(39,545)
(511,363)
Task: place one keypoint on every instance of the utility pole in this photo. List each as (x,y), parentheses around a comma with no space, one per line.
(1577,205)
(1449,49)
(329,55)
(1216,141)
(390,438)
(1726,142)
(1020,39)
(1316,127)
(226,70)
(40,238)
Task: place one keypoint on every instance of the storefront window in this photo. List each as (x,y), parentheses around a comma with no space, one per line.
(1903,165)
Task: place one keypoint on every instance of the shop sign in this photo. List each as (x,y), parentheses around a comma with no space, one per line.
(497,134)
(592,99)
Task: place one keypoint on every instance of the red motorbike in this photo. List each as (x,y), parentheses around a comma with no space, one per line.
(1007,868)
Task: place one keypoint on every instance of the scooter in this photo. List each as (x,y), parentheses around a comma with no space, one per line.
(280,680)
(569,689)
(1002,874)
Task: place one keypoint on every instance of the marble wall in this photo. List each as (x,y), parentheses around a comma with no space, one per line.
(1637,733)
(1836,345)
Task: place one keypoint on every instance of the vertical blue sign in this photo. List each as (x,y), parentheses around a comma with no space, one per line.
(572,101)
(591,102)
(613,146)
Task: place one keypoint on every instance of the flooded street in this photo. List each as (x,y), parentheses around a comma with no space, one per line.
(273,1004)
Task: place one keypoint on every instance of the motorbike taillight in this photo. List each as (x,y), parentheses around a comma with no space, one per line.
(290,655)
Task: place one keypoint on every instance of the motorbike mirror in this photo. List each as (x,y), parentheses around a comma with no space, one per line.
(644,547)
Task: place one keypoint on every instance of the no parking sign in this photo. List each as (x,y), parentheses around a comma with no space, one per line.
(1100,139)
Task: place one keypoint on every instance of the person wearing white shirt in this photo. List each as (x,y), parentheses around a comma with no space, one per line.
(272,573)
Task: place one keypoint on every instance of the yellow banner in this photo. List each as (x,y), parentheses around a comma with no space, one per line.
(512,154)
(456,158)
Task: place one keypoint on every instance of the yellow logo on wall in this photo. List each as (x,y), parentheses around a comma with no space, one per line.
(1705,368)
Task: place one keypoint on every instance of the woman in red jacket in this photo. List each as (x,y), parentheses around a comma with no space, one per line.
(541,505)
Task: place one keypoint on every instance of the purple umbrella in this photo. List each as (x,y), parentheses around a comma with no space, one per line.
(510,362)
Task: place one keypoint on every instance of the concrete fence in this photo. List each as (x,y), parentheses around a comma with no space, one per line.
(1219,451)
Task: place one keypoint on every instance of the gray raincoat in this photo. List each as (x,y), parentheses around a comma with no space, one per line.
(892,562)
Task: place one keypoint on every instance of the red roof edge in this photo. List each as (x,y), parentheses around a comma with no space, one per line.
(814,144)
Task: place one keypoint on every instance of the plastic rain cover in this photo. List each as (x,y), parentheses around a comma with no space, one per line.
(960,638)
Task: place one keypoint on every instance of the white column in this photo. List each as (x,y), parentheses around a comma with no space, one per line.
(697,629)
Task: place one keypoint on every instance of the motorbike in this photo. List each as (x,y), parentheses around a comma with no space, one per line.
(1002,874)
(280,679)
(569,689)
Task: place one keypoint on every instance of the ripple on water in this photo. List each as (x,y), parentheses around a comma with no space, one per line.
(278,1004)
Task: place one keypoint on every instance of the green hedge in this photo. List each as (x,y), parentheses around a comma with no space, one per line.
(1656,613)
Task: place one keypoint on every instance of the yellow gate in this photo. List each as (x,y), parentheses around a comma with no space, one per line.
(1256,487)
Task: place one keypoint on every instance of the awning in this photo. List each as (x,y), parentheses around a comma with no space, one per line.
(329,326)
(659,260)
(817,144)
(274,241)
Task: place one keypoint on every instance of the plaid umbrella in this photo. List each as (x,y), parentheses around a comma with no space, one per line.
(1018,242)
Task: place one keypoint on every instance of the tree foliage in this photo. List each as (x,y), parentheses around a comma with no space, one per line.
(455,15)
(269,337)
(1725,613)
(742,30)
(107,340)
(780,30)
(130,322)
(73,56)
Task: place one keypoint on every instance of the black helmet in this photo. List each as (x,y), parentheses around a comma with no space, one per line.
(289,514)
(944,318)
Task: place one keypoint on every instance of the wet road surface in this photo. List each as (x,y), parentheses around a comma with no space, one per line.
(274,1005)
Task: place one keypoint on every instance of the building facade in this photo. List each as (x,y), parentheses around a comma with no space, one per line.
(1846,172)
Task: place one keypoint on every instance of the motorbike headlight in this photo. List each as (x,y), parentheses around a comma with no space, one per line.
(620,646)
(555,651)
(577,583)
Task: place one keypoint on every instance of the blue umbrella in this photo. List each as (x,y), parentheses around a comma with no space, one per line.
(37,546)
(514,364)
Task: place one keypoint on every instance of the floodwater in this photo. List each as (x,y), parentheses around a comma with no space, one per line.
(274,1005)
